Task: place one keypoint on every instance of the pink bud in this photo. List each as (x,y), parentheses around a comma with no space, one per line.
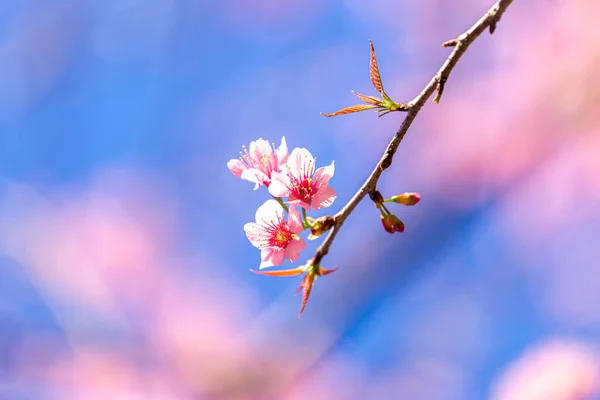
(408,199)
(387,224)
(396,223)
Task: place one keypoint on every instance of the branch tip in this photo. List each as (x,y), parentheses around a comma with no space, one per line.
(450,43)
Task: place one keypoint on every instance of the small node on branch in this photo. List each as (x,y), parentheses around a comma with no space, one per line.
(386,162)
(320,226)
(377,197)
(493,23)
(450,43)
(439,89)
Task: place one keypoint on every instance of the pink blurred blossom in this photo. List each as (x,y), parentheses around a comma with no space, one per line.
(557,370)
(104,258)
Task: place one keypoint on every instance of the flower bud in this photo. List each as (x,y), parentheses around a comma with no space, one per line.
(320,226)
(408,199)
(396,223)
(387,224)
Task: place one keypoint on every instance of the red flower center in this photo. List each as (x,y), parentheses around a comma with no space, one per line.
(303,189)
(280,237)
(279,234)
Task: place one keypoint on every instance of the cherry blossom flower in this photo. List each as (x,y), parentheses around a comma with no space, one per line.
(260,162)
(276,238)
(301,184)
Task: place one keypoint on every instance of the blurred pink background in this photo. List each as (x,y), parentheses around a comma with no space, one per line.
(123,261)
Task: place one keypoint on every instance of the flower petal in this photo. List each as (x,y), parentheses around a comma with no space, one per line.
(279,184)
(266,256)
(298,202)
(268,212)
(323,174)
(282,152)
(294,221)
(255,176)
(293,249)
(237,166)
(277,256)
(255,233)
(259,148)
(300,163)
(324,197)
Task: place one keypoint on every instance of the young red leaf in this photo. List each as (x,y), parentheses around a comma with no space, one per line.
(281,273)
(323,271)
(306,287)
(351,109)
(368,99)
(374,71)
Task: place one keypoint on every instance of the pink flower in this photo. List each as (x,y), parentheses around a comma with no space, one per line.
(299,184)
(260,162)
(276,238)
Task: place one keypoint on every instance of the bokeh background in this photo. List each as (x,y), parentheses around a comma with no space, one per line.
(123,262)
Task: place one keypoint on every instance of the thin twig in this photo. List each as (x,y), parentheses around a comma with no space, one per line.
(460,44)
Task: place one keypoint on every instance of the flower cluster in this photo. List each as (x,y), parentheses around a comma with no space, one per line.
(294,183)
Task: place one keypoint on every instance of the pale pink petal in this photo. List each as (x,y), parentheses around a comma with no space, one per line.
(279,184)
(236,166)
(298,202)
(268,212)
(292,167)
(294,221)
(263,147)
(308,163)
(277,257)
(293,249)
(324,197)
(300,163)
(266,256)
(323,174)
(282,153)
(255,176)
(259,148)
(255,233)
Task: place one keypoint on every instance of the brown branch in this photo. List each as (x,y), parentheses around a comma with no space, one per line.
(460,44)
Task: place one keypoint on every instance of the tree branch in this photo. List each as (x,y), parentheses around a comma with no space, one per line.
(460,44)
